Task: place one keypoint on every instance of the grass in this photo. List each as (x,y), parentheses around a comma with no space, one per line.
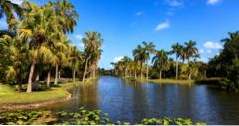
(162,81)
(171,81)
(8,94)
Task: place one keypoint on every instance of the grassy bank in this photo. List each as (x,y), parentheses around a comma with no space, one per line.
(9,95)
(162,81)
(207,81)
(171,81)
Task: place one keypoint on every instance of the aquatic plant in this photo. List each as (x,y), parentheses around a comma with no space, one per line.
(81,117)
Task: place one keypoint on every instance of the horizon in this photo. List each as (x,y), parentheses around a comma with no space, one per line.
(163,22)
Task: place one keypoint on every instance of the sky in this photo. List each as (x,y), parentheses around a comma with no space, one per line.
(124,24)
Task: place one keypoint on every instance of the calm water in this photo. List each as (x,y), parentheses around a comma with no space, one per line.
(132,102)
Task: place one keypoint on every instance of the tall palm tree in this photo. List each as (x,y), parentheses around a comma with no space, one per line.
(176,49)
(126,64)
(33,29)
(67,14)
(8,9)
(190,51)
(75,58)
(92,51)
(160,61)
(149,49)
(142,55)
(139,56)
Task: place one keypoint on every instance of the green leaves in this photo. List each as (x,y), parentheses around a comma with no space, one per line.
(81,117)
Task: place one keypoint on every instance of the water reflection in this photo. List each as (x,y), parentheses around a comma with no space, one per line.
(130,101)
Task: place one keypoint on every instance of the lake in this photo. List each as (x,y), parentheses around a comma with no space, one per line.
(131,102)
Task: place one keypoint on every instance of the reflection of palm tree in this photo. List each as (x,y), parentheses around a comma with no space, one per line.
(160,61)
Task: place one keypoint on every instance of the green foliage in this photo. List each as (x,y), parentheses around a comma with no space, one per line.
(81,117)
(226,64)
(27,118)
(168,121)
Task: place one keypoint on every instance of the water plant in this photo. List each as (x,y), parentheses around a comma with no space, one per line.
(80,117)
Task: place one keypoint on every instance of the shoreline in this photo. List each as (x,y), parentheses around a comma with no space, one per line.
(24,105)
(208,81)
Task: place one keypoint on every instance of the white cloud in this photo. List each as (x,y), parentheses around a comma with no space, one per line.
(79,36)
(213,2)
(118,58)
(201,51)
(209,51)
(175,3)
(212,45)
(140,13)
(17,1)
(162,26)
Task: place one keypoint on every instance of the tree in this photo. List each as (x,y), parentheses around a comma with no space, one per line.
(8,9)
(92,52)
(190,51)
(142,54)
(75,58)
(160,61)
(149,49)
(226,64)
(176,49)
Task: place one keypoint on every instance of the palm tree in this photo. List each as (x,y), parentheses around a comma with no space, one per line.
(8,9)
(190,51)
(160,61)
(33,29)
(142,55)
(75,57)
(92,51)
(126,64)
(176,49)
(139,56)
(149,49)
(67,14)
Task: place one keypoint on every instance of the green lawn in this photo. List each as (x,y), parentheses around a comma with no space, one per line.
(9,95)
(172,81)
(162,81)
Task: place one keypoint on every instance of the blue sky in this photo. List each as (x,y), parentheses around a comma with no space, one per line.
(126,23)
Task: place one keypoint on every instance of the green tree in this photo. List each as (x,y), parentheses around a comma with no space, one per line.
(176,49)
(8,9)
(92,52)
(142,55)
(160,61)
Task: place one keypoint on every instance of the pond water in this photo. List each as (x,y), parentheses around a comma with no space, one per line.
(129,101)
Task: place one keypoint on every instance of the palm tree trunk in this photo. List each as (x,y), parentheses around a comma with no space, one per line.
(176,68)
(84,75)
(160,74)
(135,75)
(141,71)
(38,77)
(29,86)
(48,78)
(74,75)
(56,75)
(189,76)
(94,71)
